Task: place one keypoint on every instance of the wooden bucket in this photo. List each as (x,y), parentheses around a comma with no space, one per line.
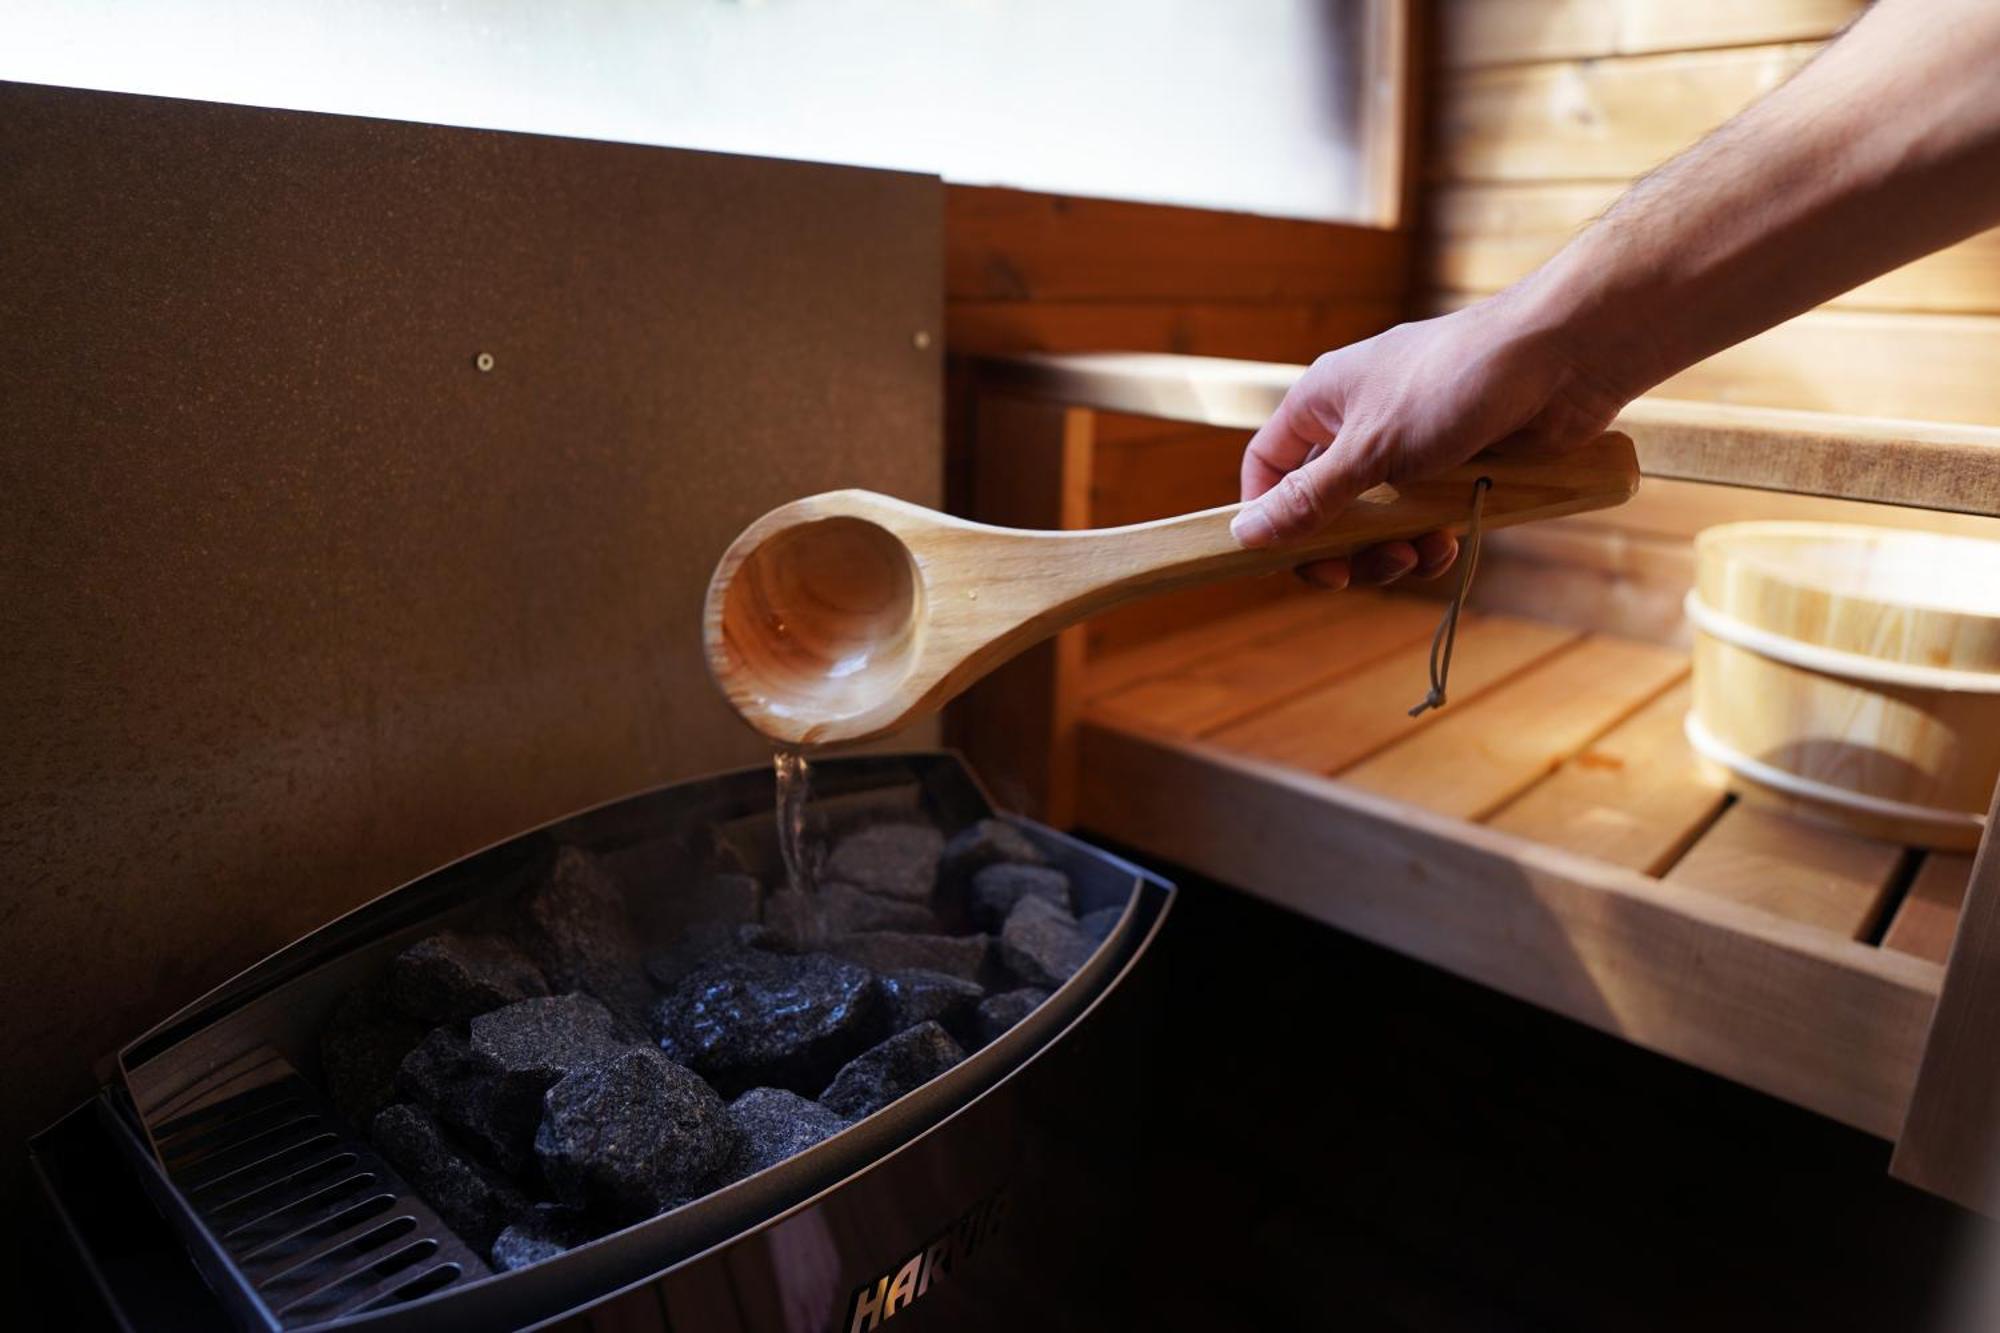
(1851,674)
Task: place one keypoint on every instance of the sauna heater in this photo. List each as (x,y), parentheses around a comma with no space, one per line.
(211,1183)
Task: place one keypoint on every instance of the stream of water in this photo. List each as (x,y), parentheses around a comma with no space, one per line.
(795,845)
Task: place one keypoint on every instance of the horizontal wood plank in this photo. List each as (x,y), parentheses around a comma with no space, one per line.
(1480,238)
(1355,630)
(1197,639)
(1486,751)
(1019,245)
(1474,33)
(1290,331)
(1175,470)
(1825,1023)
(1596,120)
(1800,871)
(1928,918)
(1333,728)
(1635,797)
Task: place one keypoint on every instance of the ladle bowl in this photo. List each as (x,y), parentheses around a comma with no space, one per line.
(845,616)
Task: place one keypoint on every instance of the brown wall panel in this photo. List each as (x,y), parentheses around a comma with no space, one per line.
(297,601)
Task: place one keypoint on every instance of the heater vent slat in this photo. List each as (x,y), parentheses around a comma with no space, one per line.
(318,1225)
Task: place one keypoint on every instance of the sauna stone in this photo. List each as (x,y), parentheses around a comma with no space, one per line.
(490,1087)
(774,1123)
(998,888)
(1042,944)
(962,956)
(997,1013)
(576,929)
(450,977)
(543,1232)
(632,1135)
(883,1073)
(697,946)
(847,910)
(919,996)
(473,1201)
(894,860)
(778,1020)
(364,1043)
(972,849)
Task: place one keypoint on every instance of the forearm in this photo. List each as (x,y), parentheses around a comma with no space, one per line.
(1884,148)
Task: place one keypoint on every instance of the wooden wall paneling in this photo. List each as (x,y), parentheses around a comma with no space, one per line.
(1498,32)
(1596,120)
(298,602)
(1950,1143)
(1636,797)
(1928,916)
(1825,1023)
(1031,469)
(1264,331)
(1482,753)
(1803,872)
(1479,238)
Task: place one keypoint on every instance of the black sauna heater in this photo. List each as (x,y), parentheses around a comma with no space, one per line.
(213,1183)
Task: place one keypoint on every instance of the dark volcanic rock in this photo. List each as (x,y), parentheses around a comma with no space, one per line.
(793,922)
(449,977)
(473,1201)
(901,1064)
(999,1012)
(780,1020)
(633,1134)
(998,888)
(1042,943)
(773,1124)
(364,1042)
(894,860)
(543,1232)
(574,925)
(489,1088)
(895,951)
(1097,926)
(917,996)
(696,948)
(847,910)
(972,849)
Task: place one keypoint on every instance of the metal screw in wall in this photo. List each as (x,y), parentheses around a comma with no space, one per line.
(484,361)
(921,340)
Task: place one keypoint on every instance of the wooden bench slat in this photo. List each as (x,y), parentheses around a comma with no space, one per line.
(1475,759)
(1928,918)
(1340,724)
(1245,678)
(1786,866)
(1169,653)
(1636,797)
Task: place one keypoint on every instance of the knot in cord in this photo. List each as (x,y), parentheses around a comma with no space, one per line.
(1447,630)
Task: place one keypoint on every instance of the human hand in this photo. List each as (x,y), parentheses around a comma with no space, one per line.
(1409,403)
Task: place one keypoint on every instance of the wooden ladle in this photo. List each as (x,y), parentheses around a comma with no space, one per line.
(846,615)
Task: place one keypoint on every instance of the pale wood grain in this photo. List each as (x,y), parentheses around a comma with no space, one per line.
(1482,237)
(1792,1010)
(1474,33)
(1170,652)
(1883,678)
(1817,876)
(1932,368)
(1635,797)
(1214,692)
(1928,918)
(1336,726)
(1603,120)
(1483,754)
(1950,1142)
(843,616)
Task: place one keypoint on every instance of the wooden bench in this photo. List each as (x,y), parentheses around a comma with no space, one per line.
(1550,833)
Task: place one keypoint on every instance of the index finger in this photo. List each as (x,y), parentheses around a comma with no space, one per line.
(1293,437)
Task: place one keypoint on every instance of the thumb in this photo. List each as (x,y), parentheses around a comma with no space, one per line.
(1305,499)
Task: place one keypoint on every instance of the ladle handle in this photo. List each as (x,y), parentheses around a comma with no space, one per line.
(1119,563)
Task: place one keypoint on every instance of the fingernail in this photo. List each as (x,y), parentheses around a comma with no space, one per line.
(1251,528)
